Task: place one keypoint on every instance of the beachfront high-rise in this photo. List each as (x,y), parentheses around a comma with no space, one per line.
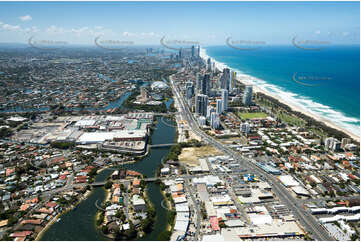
(233,80)
(224,99)
(332,144)
(205,85)
(247,96)
(201,104)
(225,79)
(209,65)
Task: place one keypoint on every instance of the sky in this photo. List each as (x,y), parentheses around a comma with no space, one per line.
(206,23)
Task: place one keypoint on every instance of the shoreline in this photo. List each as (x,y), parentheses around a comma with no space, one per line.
(169,206)
(51,222)
(242,78)
(308,113)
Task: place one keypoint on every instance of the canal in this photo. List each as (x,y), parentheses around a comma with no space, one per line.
(79,224)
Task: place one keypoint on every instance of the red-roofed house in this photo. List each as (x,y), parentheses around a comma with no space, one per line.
(10,171)
(214,223)
(32,221)
(50,204)
(24,207)
(21,234)
(34,200)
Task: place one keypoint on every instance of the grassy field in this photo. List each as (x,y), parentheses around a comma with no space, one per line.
(290,119)
(252,115)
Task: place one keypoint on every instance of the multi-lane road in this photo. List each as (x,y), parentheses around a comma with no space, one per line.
(306,219)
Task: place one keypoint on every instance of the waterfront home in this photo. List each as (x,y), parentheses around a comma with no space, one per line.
(138,203)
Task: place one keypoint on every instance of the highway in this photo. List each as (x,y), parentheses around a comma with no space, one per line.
(306,219)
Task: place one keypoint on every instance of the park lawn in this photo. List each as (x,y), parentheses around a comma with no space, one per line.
(252,115)
(290,119)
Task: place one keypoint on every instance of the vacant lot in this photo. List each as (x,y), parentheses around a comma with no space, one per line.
(191,155)
(252,115)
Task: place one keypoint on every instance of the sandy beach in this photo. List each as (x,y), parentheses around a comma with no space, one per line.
(306,112)
(246,79)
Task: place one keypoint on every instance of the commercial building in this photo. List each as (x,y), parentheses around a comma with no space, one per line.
(159,86)
(120,135)
(275,230)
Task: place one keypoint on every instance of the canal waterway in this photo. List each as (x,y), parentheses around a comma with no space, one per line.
(79,224)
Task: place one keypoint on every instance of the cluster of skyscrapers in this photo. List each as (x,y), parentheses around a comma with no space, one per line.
(206,87)
(192,52)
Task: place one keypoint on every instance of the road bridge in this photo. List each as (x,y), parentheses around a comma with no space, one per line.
(162,145)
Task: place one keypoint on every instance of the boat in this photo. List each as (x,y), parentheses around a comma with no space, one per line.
(58,219)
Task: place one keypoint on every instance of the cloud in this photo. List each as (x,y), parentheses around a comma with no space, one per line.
(10,27)
(33,29)
(25,18)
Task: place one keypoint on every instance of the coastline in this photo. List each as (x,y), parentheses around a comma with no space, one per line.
(244,79)
(308,113)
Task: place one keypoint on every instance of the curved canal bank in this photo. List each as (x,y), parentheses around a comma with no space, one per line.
(79,223)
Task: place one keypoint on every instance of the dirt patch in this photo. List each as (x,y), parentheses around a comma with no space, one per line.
(191,155)
(194,136)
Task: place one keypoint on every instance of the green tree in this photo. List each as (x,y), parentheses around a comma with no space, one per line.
(108,185)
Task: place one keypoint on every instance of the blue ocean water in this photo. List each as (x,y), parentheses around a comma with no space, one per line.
(326,82)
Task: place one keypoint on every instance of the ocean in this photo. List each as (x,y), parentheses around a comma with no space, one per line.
(326,82)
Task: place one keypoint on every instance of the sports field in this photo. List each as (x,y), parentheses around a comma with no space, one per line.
(252,115)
